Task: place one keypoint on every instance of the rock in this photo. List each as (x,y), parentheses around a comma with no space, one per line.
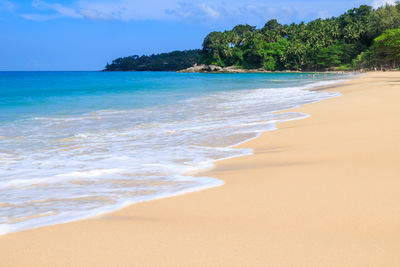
(214,69)
(197,68)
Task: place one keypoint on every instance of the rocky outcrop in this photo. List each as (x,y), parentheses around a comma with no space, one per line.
(218,69)
(203,68)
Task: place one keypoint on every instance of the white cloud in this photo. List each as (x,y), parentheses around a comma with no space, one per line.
(59,11)
(101,10)
(211,12)
(124,10)
(234,13)
(39,17)
(120,9)
(380,3)
(58,8)
(196,11)
(203,11)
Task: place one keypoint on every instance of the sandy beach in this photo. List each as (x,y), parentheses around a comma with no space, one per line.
(322,191)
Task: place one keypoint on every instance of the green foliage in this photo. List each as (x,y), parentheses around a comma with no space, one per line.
(366,59)
(316,45)
(387,46)
(272,25)
(276,55)
(384,52)
(329,56)
(345,67)
(254,54)
(176,60)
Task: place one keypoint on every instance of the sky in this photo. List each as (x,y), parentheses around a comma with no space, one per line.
(86,34)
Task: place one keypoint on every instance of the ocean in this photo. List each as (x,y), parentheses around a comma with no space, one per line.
(78,144)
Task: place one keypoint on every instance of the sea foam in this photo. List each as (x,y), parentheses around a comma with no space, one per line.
(62,168)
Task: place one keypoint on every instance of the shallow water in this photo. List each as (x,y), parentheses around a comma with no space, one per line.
(77,144)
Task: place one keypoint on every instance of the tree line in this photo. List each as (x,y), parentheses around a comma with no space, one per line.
(362,37)
(358,38)
(172,61)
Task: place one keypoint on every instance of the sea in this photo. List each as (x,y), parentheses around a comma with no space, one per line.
(79,144)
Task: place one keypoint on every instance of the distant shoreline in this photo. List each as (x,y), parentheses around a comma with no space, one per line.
(238,71)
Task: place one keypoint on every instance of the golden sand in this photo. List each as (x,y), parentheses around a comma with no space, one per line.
(323,191)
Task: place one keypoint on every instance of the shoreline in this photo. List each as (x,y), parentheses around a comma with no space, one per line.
(259,219)
(214,182)
(247,71)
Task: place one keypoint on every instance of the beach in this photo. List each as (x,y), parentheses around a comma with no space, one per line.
(320,191)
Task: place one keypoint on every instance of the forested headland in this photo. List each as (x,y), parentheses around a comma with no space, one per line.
(172,61)
(362,37)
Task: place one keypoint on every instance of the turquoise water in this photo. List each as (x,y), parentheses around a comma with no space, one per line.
(29,94)
(77,144)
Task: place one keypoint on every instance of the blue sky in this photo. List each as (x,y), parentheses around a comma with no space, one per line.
(86,34)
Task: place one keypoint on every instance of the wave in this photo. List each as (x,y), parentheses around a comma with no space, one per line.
(73,167)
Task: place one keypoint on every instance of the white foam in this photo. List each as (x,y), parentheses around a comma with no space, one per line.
(73,167)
